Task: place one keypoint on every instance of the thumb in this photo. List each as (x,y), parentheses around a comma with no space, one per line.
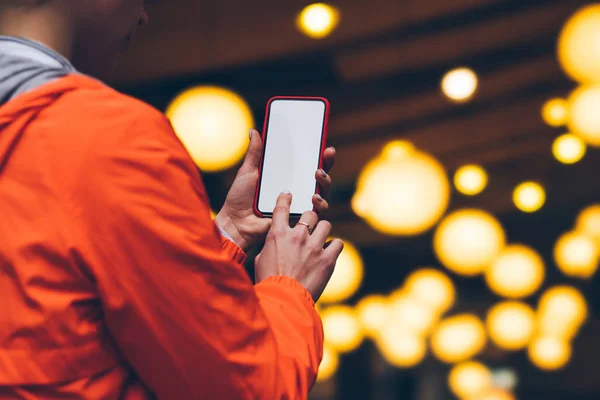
(255,149)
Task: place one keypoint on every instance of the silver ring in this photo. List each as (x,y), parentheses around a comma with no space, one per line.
(310,229)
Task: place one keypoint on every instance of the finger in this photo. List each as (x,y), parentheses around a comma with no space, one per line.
(324,180)
(310,218)
(321,205)
(322,232)
(254,152)
(281,213)
(328,158)
(332,252)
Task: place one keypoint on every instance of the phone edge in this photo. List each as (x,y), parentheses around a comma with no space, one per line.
(257,212)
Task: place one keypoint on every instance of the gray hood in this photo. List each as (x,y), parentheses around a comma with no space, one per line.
(25,65)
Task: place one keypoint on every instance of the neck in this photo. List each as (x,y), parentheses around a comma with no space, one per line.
(43,24)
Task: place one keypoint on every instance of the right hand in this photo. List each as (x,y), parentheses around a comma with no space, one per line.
(295,253)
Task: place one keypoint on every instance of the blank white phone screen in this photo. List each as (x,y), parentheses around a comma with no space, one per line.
(292,152)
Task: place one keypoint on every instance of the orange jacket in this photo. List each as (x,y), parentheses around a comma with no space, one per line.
(114,282)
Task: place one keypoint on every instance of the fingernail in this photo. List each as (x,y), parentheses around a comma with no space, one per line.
(319,198)
(250,134)
(332,148)
(287,193)
(323,173)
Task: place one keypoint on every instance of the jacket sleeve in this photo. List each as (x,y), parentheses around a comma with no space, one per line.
(179,305)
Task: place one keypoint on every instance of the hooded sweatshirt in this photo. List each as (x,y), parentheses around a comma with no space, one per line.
(114,282)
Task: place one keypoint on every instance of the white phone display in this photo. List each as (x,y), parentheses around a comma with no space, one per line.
(294,138)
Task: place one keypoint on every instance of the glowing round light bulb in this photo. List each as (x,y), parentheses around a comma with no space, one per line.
(397,150)
(469,379)
(561,312)
(341,328)
(460,84)
(347,276)
(547,325)
(372,314)
(584,119)
(213,125)
(329,364)
(458,338)
(555,112)
(517,272)
(470,179)
(318,20)
(588,222)
(414,317)
(494,394)
(431,288)
(578,45)
(529,197)
(400,347)
(568,148)
(467,241)
(549,353)
(511,325)
(576,255)
(402,193)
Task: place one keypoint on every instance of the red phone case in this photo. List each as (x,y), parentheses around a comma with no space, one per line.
(264,139)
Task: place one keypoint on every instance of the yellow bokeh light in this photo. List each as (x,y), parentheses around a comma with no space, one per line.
(470,379)
(459,84)
(400,347)
(398,149)
(318,20)
(470,179)
(555,112)
(341,328)
(467,241)
(372,314)
(402,192)
(584,118)
(411,315)
(431,288)
(360,206)
(529,197)
(517,272)
(458,338)
(578,45)
(213,124)
(493,394)
(549,353)
(547,325)
(511,325)
(576,255)
(347,276)
(329,364)
(561,312)
(588,222)
(568,148)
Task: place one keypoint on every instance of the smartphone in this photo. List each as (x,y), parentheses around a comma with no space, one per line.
(294,138)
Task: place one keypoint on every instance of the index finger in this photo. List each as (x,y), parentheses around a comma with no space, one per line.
(281,213)
(328,158)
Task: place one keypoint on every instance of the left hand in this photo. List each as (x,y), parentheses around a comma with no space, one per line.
(237,216)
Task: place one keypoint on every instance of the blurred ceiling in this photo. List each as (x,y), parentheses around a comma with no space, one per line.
(381,71)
